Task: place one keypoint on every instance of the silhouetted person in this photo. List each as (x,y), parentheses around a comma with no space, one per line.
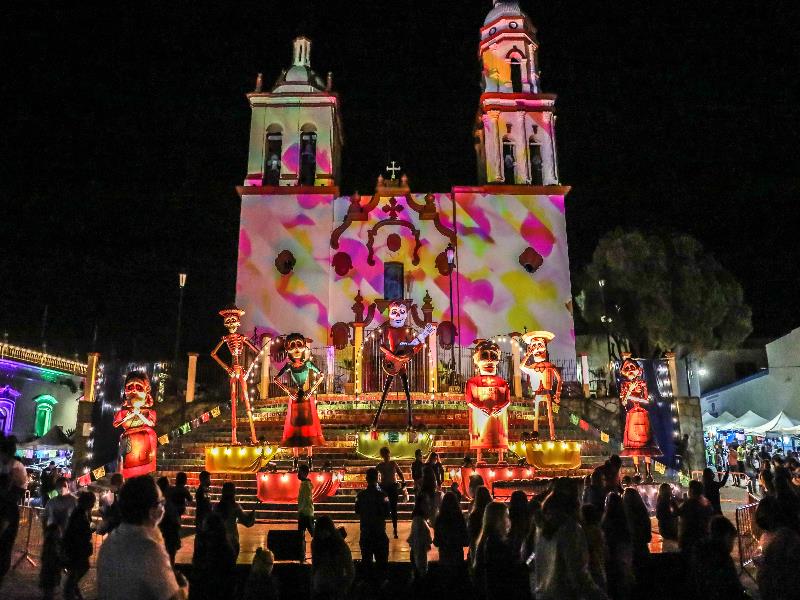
(481,500)
(171,524)
(332,569)
(694,515)
(202,499)
(713,573)
(232,514)
(261,583)
(392,482)
(213,562)
(372,508)
(711,488)
(450,532)
(109,506)
(619,549)
(667,512)
(77,544)
(494,561)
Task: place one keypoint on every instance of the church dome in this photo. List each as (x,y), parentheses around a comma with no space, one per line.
(504,8)
(300,77)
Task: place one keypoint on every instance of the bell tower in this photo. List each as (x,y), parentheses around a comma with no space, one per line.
(295,132)
(515,126)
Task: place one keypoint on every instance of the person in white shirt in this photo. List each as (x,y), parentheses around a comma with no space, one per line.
(133,563)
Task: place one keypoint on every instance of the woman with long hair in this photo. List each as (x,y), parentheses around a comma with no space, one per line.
(213,562)
(77,544)
(232,514)
(619,549)
(450,533)
(639,526)
(666,512)
(332,569)
(493,561)
(475,519)
(562,555)
(711,488)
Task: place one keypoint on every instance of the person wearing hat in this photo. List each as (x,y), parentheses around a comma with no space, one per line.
(488,397)
(236,343)
(544,376)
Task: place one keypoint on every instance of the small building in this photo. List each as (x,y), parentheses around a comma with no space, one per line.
(765,392)
(37,391)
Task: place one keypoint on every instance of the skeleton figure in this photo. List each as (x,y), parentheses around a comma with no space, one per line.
(138,441)
(488,397)
(302,428)
(398,347)
(236,343)
(544,376)
(638,438)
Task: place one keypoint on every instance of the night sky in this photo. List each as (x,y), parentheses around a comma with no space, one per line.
(125,131)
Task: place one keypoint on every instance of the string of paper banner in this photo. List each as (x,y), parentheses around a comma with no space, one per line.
(101,471)
(584,425)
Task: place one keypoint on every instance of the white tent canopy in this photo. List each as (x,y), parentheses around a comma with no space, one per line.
(719,422)
(747,421)
(779,424)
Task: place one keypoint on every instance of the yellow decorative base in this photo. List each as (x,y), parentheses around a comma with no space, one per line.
(556,455)
(402,444)
(238,459)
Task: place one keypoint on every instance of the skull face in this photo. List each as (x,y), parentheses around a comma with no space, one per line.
(296,348)
(398,313)
(538,347)
(137,393)
(486,357)
(630,370)
(232,323)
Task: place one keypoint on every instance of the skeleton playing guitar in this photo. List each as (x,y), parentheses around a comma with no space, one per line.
(395,363)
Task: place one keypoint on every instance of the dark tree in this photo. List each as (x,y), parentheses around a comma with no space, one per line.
(661,293)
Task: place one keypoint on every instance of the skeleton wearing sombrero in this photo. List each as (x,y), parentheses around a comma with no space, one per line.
(544,376)
(236,343)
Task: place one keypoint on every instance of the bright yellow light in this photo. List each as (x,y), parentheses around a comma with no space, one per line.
(214,451)
(242,451)
(259,451)
(491,473)
(227,451)
(564,445)
(284,477)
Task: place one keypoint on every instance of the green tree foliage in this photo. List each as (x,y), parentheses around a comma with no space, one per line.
(662,294)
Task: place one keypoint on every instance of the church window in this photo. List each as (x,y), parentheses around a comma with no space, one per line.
(44,414)
(308,155)
(516,76)
(508,161)
(8,401)
(535,158)
(272,160)
(393,281)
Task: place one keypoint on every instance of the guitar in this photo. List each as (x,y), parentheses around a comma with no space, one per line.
(395,363)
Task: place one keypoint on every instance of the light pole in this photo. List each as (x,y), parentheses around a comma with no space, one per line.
(181,285)
(605,319)
(450,253)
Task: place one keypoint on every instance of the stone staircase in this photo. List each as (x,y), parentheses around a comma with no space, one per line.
(446,420)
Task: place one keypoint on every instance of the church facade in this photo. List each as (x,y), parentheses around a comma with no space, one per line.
(307,253)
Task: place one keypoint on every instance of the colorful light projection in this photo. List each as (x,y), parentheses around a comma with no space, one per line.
(493,291)
(401,444)
(238,459)
(138,441)
(8,403)
(282,488)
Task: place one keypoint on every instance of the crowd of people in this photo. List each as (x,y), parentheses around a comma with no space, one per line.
(577,539)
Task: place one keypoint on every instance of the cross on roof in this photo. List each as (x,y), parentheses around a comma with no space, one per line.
(393,169)
(392,208)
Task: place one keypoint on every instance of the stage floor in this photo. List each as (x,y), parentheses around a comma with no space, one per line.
(250,538)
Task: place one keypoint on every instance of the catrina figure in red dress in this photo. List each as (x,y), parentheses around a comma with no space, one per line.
(302,428)
(638,440)
(488,397)
(138,441)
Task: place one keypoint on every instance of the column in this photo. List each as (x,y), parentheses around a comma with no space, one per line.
(673,372)
(584,360)
(433,363)
(515,359)
(191,376)
(266,357)
(492,147)
(330,366)
(523,163)
(358,353)
(81,450)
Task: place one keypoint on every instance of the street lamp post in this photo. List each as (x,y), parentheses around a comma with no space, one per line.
(605,319)
(450,253)
(181,285)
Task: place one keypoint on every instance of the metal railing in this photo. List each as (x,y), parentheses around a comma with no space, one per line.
(42,359)
(747,534)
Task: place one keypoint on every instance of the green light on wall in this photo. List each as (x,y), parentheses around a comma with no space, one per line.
(44,414)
